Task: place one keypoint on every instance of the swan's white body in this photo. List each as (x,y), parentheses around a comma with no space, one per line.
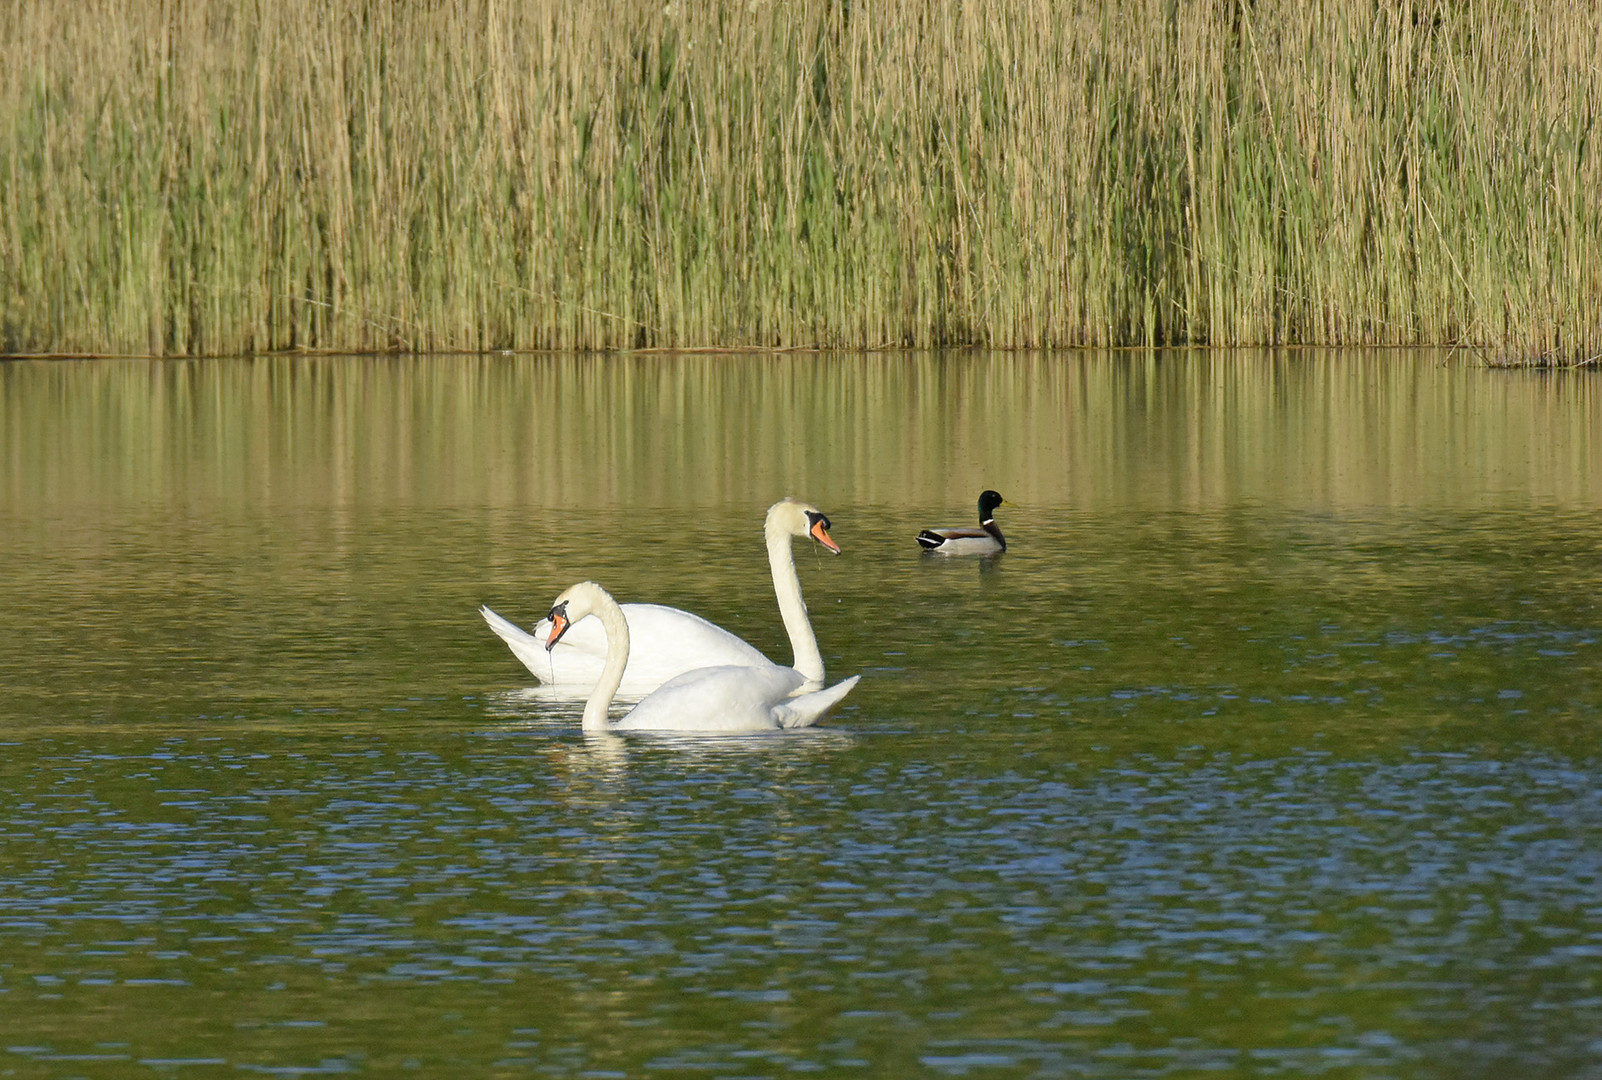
(667,642)
(726,699)
(680,641)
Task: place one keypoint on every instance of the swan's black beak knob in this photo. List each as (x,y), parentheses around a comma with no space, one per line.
(559,625)
(820,532)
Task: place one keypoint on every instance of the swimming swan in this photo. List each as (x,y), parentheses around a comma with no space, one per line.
(985,540)
(719,700)
(668,641)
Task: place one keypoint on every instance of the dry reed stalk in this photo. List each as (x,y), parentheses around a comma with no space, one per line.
(215,177)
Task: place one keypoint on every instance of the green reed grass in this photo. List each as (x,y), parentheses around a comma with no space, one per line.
(209,176)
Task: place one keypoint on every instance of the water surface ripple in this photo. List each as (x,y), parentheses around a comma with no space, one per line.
(1271,748)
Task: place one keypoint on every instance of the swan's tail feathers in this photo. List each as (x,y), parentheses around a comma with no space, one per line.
(808,709)
(504,627)
(525,645)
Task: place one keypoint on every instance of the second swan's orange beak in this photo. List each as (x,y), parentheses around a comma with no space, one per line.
(820,533)
(559,625)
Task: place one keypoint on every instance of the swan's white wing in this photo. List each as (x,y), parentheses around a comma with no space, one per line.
(808,709)
(718,699)
(690,639)
(664,642)
(525,646)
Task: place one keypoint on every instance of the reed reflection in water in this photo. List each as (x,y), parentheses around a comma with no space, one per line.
(1304,429)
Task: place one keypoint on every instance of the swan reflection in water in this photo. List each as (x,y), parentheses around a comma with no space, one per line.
(539,713)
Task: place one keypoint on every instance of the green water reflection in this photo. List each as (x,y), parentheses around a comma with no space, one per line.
(1304,430)
(1271,747)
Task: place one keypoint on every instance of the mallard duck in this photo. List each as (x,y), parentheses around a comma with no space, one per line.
(985,540)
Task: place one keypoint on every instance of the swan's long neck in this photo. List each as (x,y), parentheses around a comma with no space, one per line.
(617,658)
(787,585)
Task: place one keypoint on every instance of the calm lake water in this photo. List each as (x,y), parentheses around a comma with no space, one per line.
(1272,747)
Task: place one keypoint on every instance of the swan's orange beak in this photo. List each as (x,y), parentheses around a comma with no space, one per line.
(559,625)
(820,533)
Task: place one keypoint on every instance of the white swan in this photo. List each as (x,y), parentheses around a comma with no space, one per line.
(985,540)
(718,700)
(667,641)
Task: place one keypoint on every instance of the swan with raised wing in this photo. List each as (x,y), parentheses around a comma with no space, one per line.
(667,641)
(726,699)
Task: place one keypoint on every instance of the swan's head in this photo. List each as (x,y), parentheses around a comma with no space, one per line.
(988,501)
(787,517)
(574,604)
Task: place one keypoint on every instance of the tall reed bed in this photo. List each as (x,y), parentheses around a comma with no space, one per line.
(183,176)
